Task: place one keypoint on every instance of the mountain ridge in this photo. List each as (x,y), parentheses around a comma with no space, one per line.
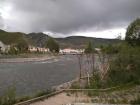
(39,39)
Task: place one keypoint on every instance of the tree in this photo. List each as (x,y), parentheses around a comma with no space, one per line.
(89,48)
(0,50)
(119,37)
(125,66)
(22,46)
(133,33)
(13,50)
(52,45)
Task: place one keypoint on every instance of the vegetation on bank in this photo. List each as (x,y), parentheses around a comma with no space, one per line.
(9,97)
(124,63)
(21,49)
(19,43)
(119,64)
(136,101)
(52,45)
(133,33)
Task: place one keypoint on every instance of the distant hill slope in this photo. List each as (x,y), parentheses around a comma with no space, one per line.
(80,41)
(12,37)
(36,39)
(39,39)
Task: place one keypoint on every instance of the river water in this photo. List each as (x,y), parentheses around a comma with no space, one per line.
(31,77)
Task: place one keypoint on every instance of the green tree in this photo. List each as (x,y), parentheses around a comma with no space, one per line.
(13,50)
(125,67)
(136,101)
(0,50)
(52,45)
(133,33)
(110,49)
(89,48)
(22,46)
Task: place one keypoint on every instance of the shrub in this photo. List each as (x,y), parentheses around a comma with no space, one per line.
(41,93)
(136,101)
(9,98)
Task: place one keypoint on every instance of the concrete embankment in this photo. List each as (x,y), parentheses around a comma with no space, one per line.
(20,60)
(58,89)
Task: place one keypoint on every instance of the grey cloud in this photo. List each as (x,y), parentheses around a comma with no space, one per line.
(67,16)
(1,22)
(1,19)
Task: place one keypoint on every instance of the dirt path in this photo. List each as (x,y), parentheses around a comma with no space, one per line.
(121,96)
(62,99)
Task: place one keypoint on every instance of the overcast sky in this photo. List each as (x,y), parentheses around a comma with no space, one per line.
(96,18)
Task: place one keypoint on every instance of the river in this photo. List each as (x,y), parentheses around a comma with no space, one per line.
(31,77)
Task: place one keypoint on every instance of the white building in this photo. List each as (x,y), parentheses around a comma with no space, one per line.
(38,49)
(71,51)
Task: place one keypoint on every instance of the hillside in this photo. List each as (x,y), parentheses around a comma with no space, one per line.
(36,39)
(80,41)
(12,37)
(39,39)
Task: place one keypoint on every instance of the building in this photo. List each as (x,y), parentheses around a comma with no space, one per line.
(38,49)
(71,51)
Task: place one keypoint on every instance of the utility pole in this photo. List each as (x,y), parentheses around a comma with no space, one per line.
(88,80)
